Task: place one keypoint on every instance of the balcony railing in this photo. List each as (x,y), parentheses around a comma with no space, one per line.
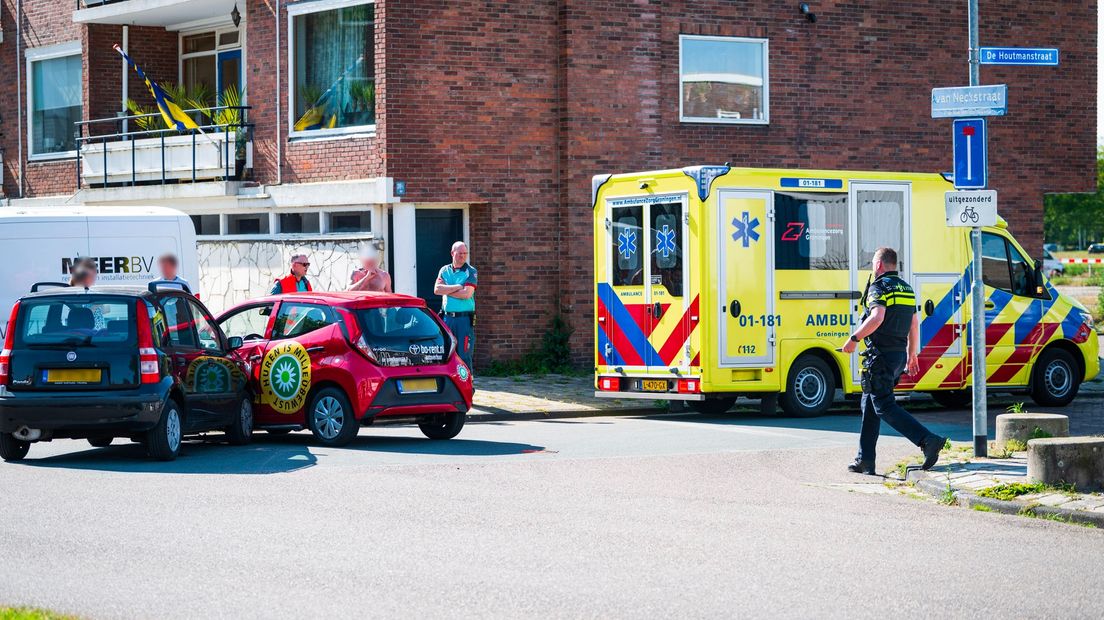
(110,154)
(84,4)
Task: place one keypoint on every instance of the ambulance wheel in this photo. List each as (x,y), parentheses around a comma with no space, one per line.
(953,399)
(713,406)
(331,419)
(12,449)
(1055,379)
(810,388)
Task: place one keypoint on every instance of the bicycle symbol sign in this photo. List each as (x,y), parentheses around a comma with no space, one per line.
(972,208)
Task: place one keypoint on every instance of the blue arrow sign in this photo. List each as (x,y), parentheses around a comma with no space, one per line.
(1036,56)
(971,165)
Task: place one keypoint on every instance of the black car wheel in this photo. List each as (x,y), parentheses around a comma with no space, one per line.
(331,419)
(163,441)
(241,431)
(12,449)
(1055,379)
(443,425)
(810,388)
(100,442)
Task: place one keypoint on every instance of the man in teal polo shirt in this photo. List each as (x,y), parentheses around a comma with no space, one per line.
(456,285)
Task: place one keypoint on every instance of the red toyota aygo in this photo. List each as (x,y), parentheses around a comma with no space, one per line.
(333,362)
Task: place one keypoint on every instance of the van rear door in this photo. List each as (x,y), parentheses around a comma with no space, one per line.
(745,259)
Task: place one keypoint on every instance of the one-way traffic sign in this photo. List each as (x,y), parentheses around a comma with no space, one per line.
(971,165)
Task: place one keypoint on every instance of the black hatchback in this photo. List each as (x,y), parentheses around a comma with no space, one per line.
(116,361)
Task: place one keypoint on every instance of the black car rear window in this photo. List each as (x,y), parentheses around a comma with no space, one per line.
(72,321)
(403,336)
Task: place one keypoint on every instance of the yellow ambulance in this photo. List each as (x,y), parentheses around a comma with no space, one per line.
(714,282)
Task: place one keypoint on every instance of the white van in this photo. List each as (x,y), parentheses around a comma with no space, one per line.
(40,244)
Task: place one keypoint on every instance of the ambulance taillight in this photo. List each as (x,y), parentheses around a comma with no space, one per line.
(689,386)
(1084,331)
(609,384)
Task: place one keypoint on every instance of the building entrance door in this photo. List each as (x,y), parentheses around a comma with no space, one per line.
(435,232)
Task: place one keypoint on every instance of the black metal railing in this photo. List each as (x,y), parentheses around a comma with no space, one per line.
(237,134)
(85,4)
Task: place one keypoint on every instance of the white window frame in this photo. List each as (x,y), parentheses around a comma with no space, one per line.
(305,8)
(765,43)
(217,30)
(38,54)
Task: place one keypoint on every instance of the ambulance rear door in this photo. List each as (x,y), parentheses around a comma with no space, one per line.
(643,313)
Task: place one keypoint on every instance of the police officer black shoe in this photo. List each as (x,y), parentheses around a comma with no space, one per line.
(932,446)
(861,467)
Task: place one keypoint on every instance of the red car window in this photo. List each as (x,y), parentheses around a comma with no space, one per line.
(298,319)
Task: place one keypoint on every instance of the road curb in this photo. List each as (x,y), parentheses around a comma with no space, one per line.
(476,418)
(966,499)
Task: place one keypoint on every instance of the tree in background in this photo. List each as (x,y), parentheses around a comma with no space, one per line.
(1075,220)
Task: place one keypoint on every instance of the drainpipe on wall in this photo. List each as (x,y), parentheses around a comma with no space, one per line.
(126,86)
(19,86)
(279,114)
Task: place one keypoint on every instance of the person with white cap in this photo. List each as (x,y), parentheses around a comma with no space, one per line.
(370,277)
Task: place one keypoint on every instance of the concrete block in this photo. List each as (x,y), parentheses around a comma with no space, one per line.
(1067,460)
(1021,426)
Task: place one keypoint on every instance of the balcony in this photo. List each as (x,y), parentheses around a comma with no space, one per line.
(133,150)
(163,13)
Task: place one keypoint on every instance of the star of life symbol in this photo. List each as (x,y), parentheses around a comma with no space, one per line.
(665,241)
(626,243)
(745,229)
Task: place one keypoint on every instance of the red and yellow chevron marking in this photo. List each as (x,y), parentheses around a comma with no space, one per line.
(666,337)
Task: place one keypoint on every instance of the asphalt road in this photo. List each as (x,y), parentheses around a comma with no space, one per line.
(628,517)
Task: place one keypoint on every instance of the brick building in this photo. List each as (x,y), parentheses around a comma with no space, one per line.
(413,123)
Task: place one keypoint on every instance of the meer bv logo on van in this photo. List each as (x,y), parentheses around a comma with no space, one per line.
(286,377)
(116,268)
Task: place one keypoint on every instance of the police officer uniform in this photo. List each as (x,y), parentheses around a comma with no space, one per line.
(459,314)
(883,363)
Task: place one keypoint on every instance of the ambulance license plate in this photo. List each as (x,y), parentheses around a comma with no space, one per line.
(417,386)
(653,385)
(74,376)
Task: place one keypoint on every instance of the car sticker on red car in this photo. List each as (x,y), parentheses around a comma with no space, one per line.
(286,377)
(210,375)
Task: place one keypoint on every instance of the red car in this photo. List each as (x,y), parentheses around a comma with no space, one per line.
(333,362)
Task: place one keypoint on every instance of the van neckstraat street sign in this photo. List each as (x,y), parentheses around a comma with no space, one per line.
(1033,56)
(960,101)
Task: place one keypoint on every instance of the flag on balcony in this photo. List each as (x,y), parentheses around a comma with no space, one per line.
(173,115)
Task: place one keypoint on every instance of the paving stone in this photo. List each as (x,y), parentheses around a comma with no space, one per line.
(1053,499)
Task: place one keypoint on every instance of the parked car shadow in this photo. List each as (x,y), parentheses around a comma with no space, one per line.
(196,457)
(367,442)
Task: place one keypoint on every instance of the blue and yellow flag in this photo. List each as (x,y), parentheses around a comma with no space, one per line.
(173,115)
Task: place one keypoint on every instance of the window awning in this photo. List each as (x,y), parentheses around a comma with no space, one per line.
(170,14)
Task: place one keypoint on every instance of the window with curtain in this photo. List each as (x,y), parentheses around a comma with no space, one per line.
(334,85)
(55,104)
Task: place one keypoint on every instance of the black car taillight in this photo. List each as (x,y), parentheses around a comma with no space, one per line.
(9,344)
(149,367)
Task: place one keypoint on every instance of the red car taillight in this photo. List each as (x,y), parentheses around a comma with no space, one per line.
(362,345)
(9,343)
(149,368)
(689,386)
(609,384)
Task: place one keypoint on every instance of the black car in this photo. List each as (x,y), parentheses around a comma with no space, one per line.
(116,361)
(1096,248)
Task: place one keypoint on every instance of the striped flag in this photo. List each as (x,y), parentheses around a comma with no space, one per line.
(173,115)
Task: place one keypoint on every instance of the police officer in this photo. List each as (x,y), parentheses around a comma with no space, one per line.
(891,329)
(456,284)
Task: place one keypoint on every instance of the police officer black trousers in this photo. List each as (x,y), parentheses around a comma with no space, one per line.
(880,374)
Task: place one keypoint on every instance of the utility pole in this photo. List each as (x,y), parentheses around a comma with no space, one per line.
(981,419)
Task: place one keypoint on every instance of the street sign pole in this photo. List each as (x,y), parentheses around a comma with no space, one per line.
(981,420)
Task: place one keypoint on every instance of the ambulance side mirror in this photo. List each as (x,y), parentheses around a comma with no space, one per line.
(1037,281)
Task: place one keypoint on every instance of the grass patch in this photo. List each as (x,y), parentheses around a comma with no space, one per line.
(947,497)
(1015,408)
(981,508)
(30,613)
(1010,491)
(904,463)
(1030,513)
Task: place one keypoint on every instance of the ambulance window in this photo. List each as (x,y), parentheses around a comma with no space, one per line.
(667,247)
(810,231)
(881,224)
(628,243)
(994,263)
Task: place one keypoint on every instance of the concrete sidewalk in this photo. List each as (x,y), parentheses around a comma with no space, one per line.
(967,479)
